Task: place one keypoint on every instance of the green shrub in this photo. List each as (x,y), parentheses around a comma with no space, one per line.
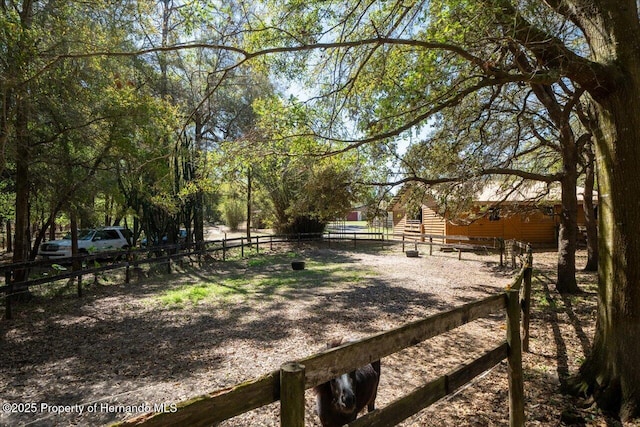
(234,214)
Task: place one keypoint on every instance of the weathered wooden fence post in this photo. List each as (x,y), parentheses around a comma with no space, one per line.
(514,358)
(501,248)
(292,395)
(526,298)
(242,247)
(224,249)
(513,253)
(430,245)
(201,249)
(127,274)
(9,296)
(402,242)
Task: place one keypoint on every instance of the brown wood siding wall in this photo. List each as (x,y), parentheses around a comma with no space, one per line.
(399,221)
(581,219)
(532,227)
(433,222)
(538,228)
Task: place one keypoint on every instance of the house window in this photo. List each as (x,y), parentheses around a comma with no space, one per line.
(494,214)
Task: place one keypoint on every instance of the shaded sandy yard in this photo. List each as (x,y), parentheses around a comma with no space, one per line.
(137,346)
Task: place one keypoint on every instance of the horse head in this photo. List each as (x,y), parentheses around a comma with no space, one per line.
(343,393)
(340,399)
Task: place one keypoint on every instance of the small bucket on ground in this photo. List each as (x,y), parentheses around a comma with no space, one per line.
(298,265)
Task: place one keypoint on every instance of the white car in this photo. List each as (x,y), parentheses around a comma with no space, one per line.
(89,241)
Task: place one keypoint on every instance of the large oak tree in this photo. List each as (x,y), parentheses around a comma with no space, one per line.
(610,73)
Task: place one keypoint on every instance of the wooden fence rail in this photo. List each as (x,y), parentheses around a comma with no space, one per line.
(167,253)
(288,383)
(453,242)
(163,254)
(461,243)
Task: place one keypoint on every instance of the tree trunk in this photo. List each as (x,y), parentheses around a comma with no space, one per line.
(568,232)
(611,370)
(73,223)
(108,205)
(40,235)
(568,227)
(22,243)
(52,227)
(198,220)
(589,212)
(22,237)
(21,228)
(568,237)
(9,247)
(249,203)
(198,208)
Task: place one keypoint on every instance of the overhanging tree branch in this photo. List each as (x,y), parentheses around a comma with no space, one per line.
(522,174)
(551,51)
(420,118)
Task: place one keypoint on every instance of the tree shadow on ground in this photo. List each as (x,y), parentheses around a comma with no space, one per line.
(556,322)
(558,311)
(71,350)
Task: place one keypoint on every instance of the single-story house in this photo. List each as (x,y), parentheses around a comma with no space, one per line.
(528,214)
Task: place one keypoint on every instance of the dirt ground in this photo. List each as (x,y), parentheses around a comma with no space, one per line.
(121,349)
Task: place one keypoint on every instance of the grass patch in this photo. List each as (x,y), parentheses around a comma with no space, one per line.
(193,294)
(264,275)
(258,261)
(315,275)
